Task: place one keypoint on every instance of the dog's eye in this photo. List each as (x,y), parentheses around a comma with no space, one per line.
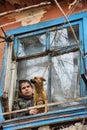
(35,77)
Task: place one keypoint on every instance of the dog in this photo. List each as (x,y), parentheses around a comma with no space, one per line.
(40,95)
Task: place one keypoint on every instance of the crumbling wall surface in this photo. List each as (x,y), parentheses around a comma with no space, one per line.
(76,126)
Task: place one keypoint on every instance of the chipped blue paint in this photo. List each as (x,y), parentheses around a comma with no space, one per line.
(2,79)
(50,118)
(46,24)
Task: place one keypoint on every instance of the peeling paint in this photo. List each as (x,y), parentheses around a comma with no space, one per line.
(30,17)
(36,15)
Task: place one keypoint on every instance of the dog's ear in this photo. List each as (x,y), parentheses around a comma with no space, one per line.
(43,79)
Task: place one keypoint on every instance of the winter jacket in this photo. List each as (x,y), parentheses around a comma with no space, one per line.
(23,103)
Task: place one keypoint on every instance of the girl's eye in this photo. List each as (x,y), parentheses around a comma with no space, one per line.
(26,87)
(23,87)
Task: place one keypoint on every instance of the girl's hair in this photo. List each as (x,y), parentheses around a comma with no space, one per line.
(24,81)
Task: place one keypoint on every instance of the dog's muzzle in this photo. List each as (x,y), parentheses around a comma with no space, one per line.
(32,81)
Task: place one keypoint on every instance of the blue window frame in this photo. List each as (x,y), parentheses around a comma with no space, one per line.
(50,49)
(44,47)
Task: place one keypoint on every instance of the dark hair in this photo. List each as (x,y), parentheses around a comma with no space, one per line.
(24,81)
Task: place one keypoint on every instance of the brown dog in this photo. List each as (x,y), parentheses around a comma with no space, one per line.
(40,95)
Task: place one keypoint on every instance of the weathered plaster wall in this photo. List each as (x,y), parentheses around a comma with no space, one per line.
(33,16)
(40,14)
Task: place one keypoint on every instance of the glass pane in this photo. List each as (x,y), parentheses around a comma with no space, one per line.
(63,37)
(31,68)
(31,45)
(65,77)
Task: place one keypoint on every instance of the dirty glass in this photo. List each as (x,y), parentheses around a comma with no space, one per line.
(63,37)
(64,69)
(31,45)
(65,77)
(34,67)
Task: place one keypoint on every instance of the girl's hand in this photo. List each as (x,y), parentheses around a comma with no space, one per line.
(33,111)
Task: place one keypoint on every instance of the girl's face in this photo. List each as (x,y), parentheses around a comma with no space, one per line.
(26,89)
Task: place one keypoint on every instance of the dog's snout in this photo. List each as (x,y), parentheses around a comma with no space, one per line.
(32,81)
